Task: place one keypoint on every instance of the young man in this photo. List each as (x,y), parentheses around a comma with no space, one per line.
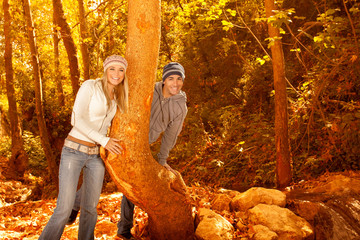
(168,111)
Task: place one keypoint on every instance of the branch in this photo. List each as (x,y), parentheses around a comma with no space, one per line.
(102,3)
(352,27)
(262,47)
(315,100)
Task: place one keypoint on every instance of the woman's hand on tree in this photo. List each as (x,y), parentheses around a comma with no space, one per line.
(113,146)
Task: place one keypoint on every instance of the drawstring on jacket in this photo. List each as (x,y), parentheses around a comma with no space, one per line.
(162,112)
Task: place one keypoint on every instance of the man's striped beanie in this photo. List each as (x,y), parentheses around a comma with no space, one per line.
(173,68)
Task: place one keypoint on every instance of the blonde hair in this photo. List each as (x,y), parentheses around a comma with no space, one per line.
(121,92)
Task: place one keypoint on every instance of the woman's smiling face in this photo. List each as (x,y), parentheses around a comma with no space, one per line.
(115,74)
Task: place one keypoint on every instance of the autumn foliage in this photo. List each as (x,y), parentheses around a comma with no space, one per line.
(228,138)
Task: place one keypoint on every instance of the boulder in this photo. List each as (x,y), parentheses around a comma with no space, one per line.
(339,185)
(213,226)
(280,220)
(241,226)
(263,233)
(332,207)
(221,202)
(230,193)
(255,196)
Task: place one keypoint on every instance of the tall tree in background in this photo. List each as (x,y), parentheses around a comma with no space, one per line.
(19,158)
(68,43)
(283,158)
(140,177)
(57,72)
(44,137)
(84,46)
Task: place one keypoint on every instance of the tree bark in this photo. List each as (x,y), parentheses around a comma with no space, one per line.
(4,123)
(84,36)
(283,158)
(140,177)
(44,137)
(19,158)
(57,72)
(68,43)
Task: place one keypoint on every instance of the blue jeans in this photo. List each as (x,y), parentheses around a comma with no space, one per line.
(126,216)
(77,199)
(71,164)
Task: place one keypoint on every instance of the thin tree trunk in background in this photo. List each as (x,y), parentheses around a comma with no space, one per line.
(283,158)
(68,43)
(167,47)
(19,158)
(4,123)
(57,72)
(52,166)
(136,173)
(109,42)
(84,46)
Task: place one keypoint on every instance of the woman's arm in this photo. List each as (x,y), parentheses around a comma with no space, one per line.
(80,114)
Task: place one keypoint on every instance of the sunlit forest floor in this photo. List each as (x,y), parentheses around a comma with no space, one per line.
(25,219)
(22,218)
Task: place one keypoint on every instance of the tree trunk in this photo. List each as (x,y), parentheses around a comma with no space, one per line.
(4,123)
(44,138)
(84,36)
(57,72)
(19,158)
(136,173)
(68,43)
(283,158)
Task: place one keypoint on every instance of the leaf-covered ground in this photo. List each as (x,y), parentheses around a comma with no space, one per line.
(23,218)
(26,219)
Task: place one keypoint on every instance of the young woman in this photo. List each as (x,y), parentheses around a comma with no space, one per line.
(94,108)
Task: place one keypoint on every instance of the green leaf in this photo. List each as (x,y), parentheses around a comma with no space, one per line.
(354,10)
(261,61)
(330,11)
(318,39)
(232,12)
(300,18)
(226,23)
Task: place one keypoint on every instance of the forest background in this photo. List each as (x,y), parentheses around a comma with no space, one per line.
(228,137)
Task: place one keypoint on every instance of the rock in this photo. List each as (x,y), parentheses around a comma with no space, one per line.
(230,193)
(221,202)
(213,226)
(332,207)
(241,226)
(264,233)
(255,196)
(281,221)
(336,219)
(338,185)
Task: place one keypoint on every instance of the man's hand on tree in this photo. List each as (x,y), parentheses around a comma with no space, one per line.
(170,169)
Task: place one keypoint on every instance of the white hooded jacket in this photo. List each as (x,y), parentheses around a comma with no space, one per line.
(91,116)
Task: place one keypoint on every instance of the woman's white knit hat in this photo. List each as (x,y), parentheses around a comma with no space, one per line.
(114,60)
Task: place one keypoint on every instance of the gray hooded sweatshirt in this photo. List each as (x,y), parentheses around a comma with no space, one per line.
(167,116)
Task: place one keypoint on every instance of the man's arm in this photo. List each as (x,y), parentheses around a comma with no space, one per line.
(170,136)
